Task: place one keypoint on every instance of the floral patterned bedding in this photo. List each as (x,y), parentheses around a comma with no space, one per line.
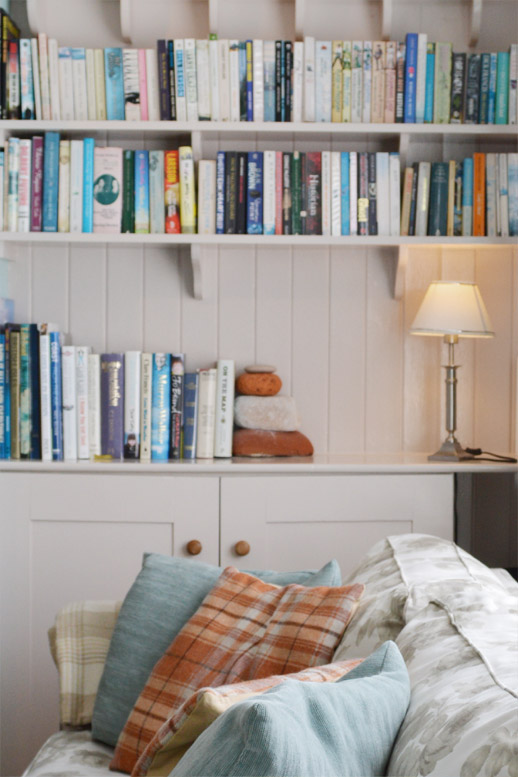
(71,754)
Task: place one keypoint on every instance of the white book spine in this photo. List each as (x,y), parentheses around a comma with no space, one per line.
(224,80)
(146,376)
(367,81)
(203,80)
(79,79)
(395,193)
(66,84)
(326,193)
(269,80)
(214,79)
(5,192)
(180,80)
(153,109)
(323,84)
(94,404)
(36,78)
(298,80)
(423,198)
(383,192)
(64,187)
(100,85)
(2,174)
(132,382)
(55,110)
(206,197)
(44,76)
(76,185)
(90,84)
(68,367)
(498,214)
(269,193)
(309,78)
(233,46)
(131,84)
(206,414)
(26,84)
(491,197)
(357,82)
(13,179)
(422,41)
(336,199)
(346,80)
(258,79)
(45,399)
(513,83)
(224,414)
(353,191)
(504,196)
(107,189)
(191,87)
(24,186)
(83,440)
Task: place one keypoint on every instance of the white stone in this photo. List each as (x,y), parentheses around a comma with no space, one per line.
(275,414)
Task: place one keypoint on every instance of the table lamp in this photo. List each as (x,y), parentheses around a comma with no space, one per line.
(452,309)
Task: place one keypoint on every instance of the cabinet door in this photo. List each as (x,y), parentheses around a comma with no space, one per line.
(297,522)
(68,537)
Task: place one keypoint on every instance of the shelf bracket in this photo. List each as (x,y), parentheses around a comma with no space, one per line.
(201,255)
(476,21)
(400,271)
(386,19)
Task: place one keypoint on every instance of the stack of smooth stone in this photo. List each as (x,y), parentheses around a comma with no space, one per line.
(268,424)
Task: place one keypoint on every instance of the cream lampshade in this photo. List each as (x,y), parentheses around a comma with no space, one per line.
(452,309)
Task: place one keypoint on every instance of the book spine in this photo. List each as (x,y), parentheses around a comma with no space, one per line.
(313,193)
(512,182)
(153,100)
(128,191)
(35,61)
(483,107)
(491,195)
(479,191)
(107,190)
(254,207)
(80,87)
(347,79)
(410,78)
(13,184)
(430,79)
(395,193)
(353,191)
(467,197)
(132,378)
(52,50)
(14,376)
(233,61)
(406,201)
(14,99)
(345,204)
(112,405)
(413,199)
(241,193)
(249,80)
(363,193)
(224,80)
(177,391)
(24,186)
(503,195)
(383,192)
(68,364)
(214,77)
(114,84)
(423,194)
(187,191)
(44,76)
(378,82)
(88,184)
(25,393)
(309,78)
(203,80)
(94,404)
(390,82)
(3,453)
(297,86)
(91,98)
(156,192)
(172,192)
(76,185)
(491,101)
(335,194)
(50,182)
(269,192)
(206,197)
(173,83)
(269,80)
(163,80)
(190,415)
(278,80)
(26,80)
(288,80)
(367,81)
(83,440)
(100,88)
(502,88)
(400,82)
(220,193)
(458,88)
(45,398)
(279,192)
(438,209)
(56,396)
(337,81)
(34,366)
(442,81)
(146,406)
(420,90)
(66,83)
(141,192)
(323,80)
(160,405)
(513,84)
(296,193)
(7,394)
(131,84)
(286,193)
(472,89)
(373,194)
(457,213)
(191,87)
(224,412)
(207,381)
(64,187)
(2,187)
(142,77)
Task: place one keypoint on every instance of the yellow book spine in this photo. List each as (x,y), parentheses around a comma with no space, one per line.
(187,191)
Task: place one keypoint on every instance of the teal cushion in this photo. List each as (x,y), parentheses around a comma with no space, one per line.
(165,594)
(341,729)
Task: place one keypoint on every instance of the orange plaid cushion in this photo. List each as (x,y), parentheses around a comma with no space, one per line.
(245,629)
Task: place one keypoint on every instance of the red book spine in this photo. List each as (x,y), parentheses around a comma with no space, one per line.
(313,193)
(37,183)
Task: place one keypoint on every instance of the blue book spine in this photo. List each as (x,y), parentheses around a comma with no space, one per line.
(50,182)
(7,399)
(179,73)
(344,194)
(190,415)
(512,184)
(249,81)
(56,396)
(467,183)
(88,184)
(254,204)
(114,84)
(220,193)
(25,392)
(502,87)
(142,192)
(34,347)
(410,78)
(160,406)
(491,102)
(2,396)
(429,87)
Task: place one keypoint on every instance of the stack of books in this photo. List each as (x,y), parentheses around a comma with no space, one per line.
(413,81)
(63,402)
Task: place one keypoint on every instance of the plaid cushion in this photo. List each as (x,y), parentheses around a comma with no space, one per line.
(245,629)
(79,644)
(179,732)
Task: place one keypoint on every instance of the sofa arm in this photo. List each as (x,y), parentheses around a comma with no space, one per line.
(79,643)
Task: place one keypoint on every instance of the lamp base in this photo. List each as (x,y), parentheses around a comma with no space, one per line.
(451,451)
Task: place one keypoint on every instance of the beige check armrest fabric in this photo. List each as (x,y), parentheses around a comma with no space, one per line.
(79,643)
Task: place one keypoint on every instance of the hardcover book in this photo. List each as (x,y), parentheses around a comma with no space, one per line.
(112,405)
(163,80)
(483,107)
(128,191)
(107,190)
(172,94)
(56,396)
(472,89)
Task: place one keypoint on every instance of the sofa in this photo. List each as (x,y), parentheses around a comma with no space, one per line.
(454,622)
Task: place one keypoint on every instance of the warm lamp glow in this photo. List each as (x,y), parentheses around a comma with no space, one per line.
(452,308)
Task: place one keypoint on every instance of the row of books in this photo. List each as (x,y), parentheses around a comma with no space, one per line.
(63,402)
(189,79)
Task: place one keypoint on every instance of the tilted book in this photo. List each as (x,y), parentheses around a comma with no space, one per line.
(112,404)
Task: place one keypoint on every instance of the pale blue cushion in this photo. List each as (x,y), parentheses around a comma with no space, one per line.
(341,729)
(165,594)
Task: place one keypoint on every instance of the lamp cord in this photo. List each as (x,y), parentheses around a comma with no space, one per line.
(495,456)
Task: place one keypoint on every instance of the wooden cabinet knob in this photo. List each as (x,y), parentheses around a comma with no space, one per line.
(242,548)
(194,547)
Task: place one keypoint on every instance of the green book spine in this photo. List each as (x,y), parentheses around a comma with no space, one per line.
(438,213)
(296,194)
(14,368)
(502,88)
(25,393)
(128,191)
(442,100)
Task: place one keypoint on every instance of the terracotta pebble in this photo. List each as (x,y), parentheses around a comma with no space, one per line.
(255,442)
(259,384)
(260,368)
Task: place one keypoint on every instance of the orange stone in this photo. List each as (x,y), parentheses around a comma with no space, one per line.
(256,442)
(258,384)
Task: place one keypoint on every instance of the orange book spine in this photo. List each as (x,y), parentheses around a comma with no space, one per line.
(172,192)
(407,200)
(479,194)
